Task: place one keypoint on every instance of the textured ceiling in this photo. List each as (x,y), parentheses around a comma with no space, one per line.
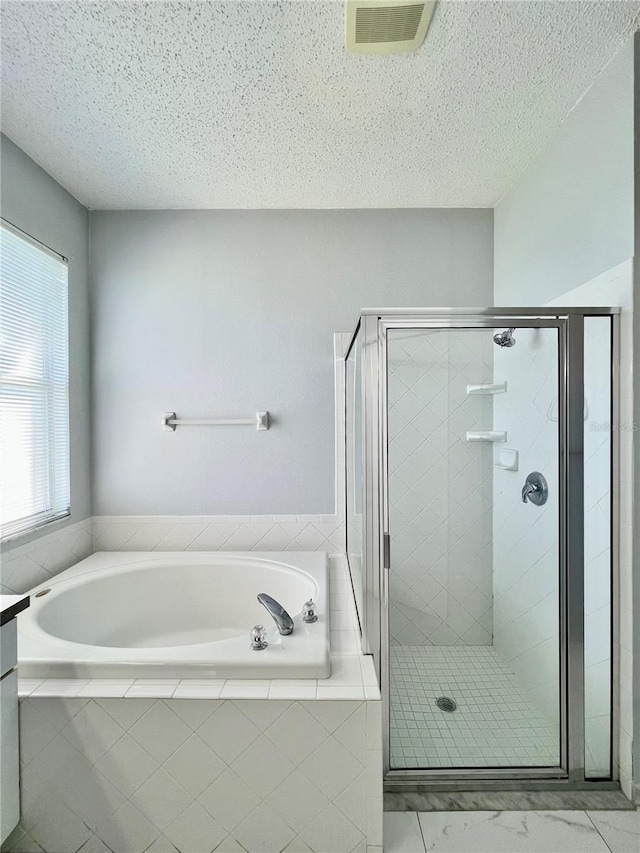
(258,104)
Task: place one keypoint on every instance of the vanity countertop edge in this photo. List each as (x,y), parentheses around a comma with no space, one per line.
(11,605)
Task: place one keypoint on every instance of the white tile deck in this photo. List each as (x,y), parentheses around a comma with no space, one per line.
(352,678)
(495,723)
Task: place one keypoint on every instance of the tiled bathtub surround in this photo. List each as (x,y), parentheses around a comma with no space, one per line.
(25,566)
(219,532)
(200,775)
(196,766)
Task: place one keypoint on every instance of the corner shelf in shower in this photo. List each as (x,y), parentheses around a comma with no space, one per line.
(490,435)
(496,388)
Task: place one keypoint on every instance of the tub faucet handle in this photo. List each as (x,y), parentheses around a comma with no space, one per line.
(258,638)
(309,612)
(280,616)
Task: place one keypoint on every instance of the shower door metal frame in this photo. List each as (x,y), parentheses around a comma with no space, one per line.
(373,326)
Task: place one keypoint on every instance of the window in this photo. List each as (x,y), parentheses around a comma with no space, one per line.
(34,384)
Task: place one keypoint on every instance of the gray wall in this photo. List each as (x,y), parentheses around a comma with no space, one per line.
(570,216)
(222,313)
(31,200)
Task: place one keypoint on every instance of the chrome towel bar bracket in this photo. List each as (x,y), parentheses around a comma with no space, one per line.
(261,421)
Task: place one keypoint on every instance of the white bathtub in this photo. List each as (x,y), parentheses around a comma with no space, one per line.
(176,615)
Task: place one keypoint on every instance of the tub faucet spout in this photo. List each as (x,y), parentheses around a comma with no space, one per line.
(277,612)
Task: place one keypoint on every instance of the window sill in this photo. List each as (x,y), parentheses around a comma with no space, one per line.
(35,528)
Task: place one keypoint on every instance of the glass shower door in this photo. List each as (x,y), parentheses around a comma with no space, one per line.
(474,584)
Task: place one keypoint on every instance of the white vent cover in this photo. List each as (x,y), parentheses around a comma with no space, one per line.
(386,26)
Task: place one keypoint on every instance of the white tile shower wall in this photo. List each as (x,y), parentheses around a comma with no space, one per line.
(440,488)
(25,566)
(525,550)
(615,287)
(200,775)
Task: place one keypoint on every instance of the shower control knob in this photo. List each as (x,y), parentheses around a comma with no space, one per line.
(535,489)
(258,638)
(309,613)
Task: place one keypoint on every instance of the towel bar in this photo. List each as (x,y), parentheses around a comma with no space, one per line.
(170,421)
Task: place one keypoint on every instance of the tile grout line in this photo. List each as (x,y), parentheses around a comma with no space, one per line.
(604,840)
(424,843)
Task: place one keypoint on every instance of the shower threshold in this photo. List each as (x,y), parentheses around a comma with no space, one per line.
(423,798)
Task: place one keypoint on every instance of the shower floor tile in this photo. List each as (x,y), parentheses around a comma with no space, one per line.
(495,724)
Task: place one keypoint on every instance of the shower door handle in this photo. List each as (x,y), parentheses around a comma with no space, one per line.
(386,551)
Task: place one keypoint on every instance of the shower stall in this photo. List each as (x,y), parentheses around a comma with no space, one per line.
(481,513)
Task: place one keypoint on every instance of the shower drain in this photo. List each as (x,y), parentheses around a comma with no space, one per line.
(446,704)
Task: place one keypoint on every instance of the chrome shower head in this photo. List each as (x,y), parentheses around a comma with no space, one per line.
(505,339)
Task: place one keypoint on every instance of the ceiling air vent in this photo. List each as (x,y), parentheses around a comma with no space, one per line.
(386,26)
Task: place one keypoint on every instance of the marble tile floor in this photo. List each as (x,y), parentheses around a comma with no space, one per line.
(495,723)
(512,832)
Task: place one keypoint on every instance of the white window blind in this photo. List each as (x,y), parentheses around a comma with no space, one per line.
(34,384)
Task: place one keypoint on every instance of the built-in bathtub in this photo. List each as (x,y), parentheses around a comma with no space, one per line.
(136,763)
(177,615)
